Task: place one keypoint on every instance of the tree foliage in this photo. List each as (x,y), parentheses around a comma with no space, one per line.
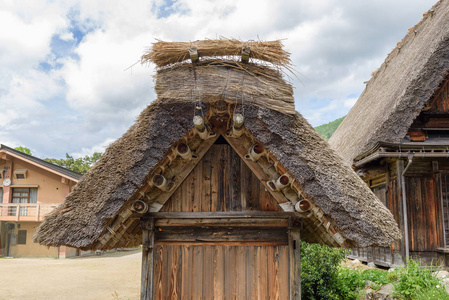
(326,130)
(80,165)
(24,150)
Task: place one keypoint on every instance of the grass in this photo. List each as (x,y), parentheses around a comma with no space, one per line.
(323,277)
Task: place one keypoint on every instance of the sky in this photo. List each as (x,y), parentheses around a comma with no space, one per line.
(70,81)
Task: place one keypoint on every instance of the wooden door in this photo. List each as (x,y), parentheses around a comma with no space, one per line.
(221,272)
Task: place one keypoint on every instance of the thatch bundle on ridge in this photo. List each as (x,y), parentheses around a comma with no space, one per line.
(167,53)
(220,74)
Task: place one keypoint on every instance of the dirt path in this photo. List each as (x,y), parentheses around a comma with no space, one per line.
(110,276)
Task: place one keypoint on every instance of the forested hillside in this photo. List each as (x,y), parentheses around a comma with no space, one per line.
(326,130)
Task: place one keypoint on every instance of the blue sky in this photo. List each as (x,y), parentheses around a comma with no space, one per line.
(63,84)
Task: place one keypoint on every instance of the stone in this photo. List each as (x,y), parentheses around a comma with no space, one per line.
(369,284)
(371,264)
(385,293)
(442,274)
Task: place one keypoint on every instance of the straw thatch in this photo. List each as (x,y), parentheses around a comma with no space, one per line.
(124,167)
(167,53)
(229,81)
(89,214)
(399,90)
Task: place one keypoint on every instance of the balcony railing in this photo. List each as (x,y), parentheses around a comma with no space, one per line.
(24,211)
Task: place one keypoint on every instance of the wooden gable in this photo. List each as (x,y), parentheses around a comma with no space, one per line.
(433,121)
(221,181)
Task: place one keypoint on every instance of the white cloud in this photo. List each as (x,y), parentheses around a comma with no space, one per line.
(74,93)
(101,147)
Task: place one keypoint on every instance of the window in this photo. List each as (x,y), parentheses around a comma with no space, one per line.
(22,237)
(1,195)
(23,195)
(20,174)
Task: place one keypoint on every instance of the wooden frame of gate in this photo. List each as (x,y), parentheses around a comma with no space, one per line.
(221,228)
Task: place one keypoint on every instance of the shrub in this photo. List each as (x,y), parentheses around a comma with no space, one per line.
(414,279)
(348,283)
(375,275)
(319,271)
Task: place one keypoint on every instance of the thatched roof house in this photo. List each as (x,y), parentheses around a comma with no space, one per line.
(399,89)
(396,137)
(98,213)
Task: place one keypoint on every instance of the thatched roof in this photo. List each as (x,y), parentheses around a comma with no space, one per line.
(400,88)
(96,214)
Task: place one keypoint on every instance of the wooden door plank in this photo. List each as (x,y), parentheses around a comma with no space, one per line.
(158,271)
(175,274)
(208,272)
(240,276)
(197,269)
(283,272)
(229,267)
(262,275)
(185,272)
(219,265)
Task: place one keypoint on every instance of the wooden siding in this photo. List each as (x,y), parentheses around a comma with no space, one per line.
(435,115)
(423,209)
(394,205)
(440,100)
(221,272)
(445,202)
(221,182)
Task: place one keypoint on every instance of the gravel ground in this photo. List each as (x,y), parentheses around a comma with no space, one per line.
(109,276)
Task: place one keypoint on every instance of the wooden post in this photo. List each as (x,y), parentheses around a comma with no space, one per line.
(294,262)
(146,288)
(402,197)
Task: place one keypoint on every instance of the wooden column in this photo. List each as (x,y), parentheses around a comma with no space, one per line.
(146,288)
(402,197)
(294,261)
(441,241)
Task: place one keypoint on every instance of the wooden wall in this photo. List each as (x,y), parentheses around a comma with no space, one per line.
(440,101)
(210,262)
(221,272)
(424,211)
(221,182)
(427,194)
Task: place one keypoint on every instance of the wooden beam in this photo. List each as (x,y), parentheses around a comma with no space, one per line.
(147,281)
(220,215)
(223,222)
(223,235)
(294,263)
(183,173)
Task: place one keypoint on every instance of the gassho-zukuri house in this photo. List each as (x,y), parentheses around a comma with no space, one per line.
(218,180)
(397,138)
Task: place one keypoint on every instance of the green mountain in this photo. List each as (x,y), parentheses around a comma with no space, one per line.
(326,130)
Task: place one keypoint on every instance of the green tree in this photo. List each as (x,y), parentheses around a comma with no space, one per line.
(80,165)
(326,130)
(24,150)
